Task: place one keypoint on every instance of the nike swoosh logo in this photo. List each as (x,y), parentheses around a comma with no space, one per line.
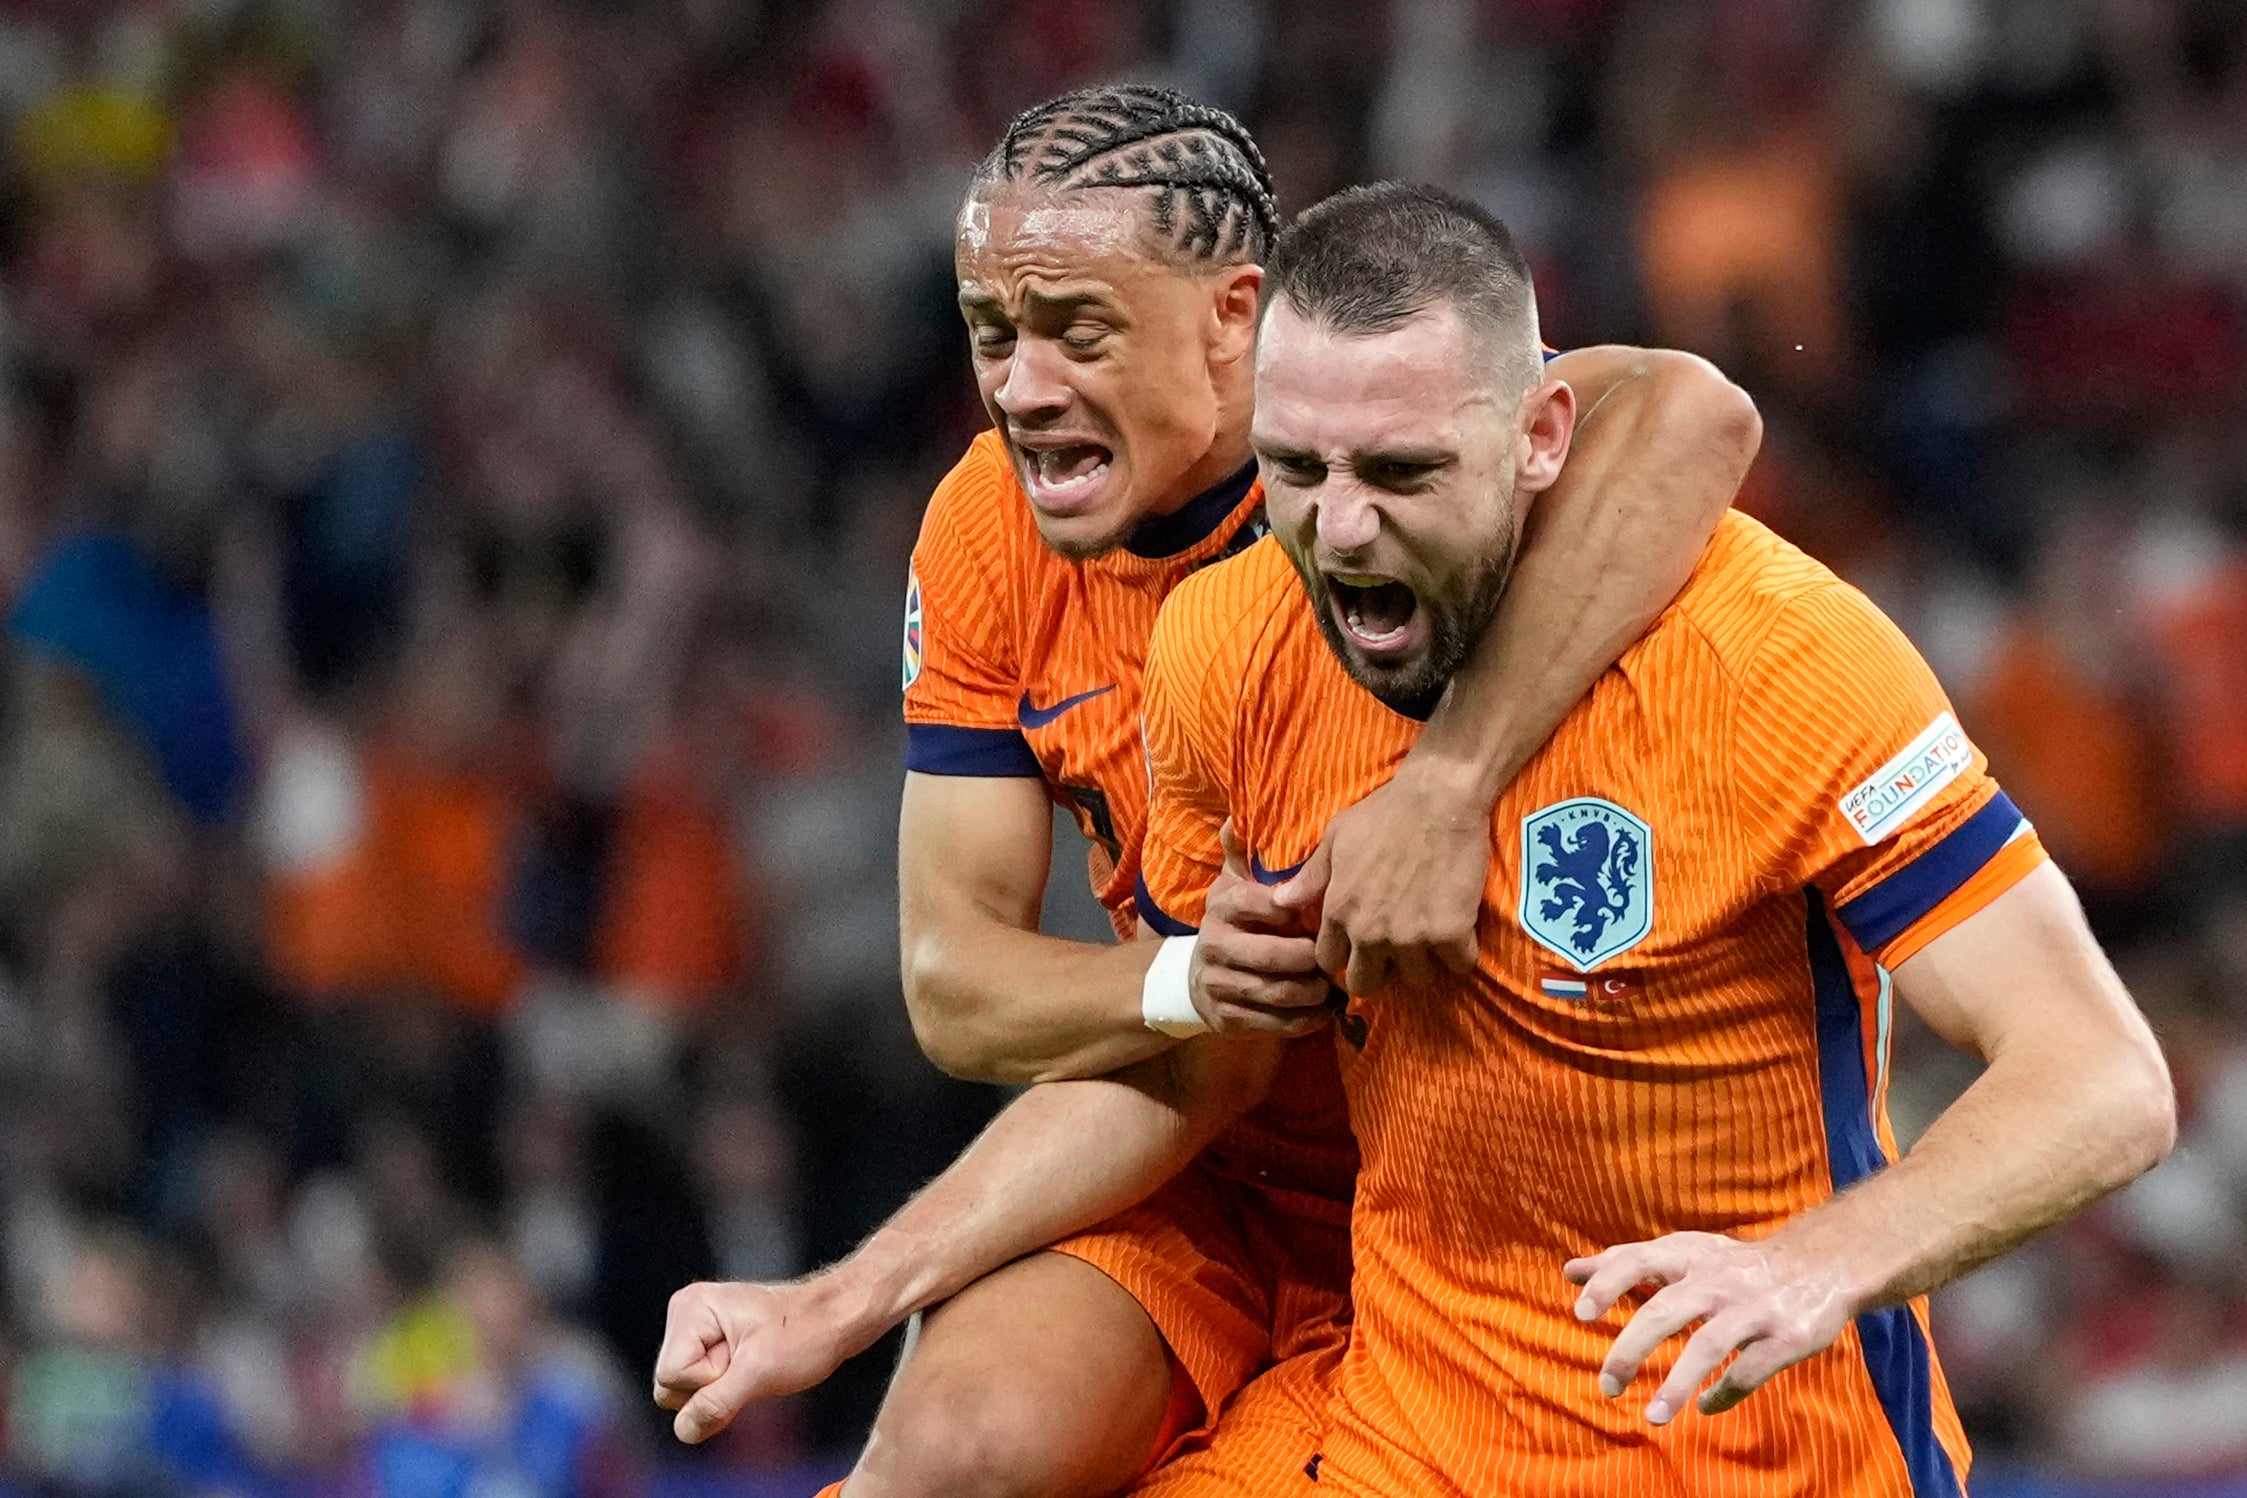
(1263,875)
(1034,716)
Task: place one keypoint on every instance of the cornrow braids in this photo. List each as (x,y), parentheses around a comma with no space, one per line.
(1211,193)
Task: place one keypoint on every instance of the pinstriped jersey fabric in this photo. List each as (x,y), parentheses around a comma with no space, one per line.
(1044,658)
(1020,662)
(1679,1020)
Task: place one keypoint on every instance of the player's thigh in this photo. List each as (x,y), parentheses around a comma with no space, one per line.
(1044,1380)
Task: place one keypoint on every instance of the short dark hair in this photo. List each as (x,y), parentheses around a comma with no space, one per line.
(1369,259)
(1210,192)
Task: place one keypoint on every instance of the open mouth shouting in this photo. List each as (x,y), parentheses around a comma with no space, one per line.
(1379,616)
(1065,478)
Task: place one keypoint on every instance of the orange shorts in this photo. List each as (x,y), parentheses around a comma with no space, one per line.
(1238,1278)
(1266,1443)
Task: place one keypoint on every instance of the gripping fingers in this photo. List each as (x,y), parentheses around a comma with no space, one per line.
(1750,1371)
(1255,952)
(1371,965)
(1607,1277)
(1236,856)
(1245,1019)
(1334,949)
(1225,985)
(1239,1003)
(1661,1318)
(1704,1353)
(1460,954)
(1308,886)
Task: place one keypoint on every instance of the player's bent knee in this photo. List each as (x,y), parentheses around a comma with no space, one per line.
(964,1441)
(1040,1387)
(985,1435)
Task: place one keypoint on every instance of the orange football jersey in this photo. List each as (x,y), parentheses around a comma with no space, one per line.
(1680,1018)
(1021,662)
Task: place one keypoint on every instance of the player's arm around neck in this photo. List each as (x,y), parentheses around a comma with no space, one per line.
(991,998)
(2075,1101)
(1662,442)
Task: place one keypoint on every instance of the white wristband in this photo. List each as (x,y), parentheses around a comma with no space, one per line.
(1166,999)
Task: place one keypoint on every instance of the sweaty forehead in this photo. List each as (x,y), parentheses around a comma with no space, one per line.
(1011,236)
(1319,389)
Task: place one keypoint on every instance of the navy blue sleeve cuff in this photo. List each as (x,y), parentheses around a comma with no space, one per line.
(942,749)
(1889,909)
(1158,920)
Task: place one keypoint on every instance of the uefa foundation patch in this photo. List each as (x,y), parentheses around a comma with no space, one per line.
(1898,789)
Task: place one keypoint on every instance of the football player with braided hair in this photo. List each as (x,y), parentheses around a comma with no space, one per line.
(1109,255)
(1209,197)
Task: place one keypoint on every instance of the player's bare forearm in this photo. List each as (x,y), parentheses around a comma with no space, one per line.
(1660,449)
(1060,1158)
(993,1003)
(991,998)
(2076,1102)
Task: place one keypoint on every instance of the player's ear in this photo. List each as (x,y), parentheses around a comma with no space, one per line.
(1548,424)
(1234,294)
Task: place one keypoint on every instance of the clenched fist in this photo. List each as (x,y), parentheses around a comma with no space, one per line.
(1396,883)
(1255,969)
(726,1344)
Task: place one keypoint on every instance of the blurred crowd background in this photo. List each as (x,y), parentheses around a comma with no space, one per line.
(457,467)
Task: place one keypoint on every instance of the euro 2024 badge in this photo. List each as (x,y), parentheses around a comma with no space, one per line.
(912,627)
(1587,880)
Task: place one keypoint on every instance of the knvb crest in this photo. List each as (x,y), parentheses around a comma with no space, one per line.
(1587,880)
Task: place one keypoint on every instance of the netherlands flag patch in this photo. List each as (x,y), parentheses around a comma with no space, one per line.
(1591,988)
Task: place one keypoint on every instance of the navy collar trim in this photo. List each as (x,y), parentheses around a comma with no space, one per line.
(1419,709)
(1193,522)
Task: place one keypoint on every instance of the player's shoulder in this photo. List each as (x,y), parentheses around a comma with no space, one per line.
(1220,619)
(978,506)
(1249,586)
(1757,602)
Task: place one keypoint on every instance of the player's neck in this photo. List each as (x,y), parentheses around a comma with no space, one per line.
(1184,526)
(1226,457)
(1229,450)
